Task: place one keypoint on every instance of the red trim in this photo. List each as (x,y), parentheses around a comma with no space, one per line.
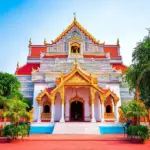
(27,69)
(121,67)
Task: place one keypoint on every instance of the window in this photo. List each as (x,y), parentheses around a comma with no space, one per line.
(75,48)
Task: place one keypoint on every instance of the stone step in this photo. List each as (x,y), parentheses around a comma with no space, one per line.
(76,128)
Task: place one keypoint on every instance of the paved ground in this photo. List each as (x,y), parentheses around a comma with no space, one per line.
(74,145)
(75,137)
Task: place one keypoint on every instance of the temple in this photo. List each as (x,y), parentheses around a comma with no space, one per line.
(74,78)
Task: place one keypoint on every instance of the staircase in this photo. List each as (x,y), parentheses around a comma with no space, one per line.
(76,128)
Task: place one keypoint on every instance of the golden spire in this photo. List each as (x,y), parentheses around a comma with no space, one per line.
(118,41)
(30,42)
(45,42)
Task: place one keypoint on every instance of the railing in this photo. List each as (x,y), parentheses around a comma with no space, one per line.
(46,116)
(109,115)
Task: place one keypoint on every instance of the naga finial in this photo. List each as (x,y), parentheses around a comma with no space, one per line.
(30,42)
(45,42)
(17,65)
(118,41)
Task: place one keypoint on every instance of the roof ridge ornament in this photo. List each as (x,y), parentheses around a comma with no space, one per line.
(30,42)
(74,16)
(118,42)
(45,42)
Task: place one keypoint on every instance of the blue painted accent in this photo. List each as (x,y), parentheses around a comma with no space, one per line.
(111,129)
(41,129)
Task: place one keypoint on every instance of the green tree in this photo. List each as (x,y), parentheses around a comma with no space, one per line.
(136,111)
(9,86)
(16,110)
(138,74)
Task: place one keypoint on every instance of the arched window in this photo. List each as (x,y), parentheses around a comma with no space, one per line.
(46,109)
(108,109)
(75,48)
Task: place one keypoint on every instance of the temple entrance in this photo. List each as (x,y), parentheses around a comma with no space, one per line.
(76,111)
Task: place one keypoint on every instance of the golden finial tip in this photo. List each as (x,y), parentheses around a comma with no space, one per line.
(45,42)
(30,42)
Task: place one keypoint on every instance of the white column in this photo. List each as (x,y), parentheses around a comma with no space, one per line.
(62,113)
(102,113)
(116,113)
(93,114)
(39,113)
(52,112)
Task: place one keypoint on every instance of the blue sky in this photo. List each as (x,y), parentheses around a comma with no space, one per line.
(106,20)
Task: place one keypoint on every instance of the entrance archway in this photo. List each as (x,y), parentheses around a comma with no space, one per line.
(76,109)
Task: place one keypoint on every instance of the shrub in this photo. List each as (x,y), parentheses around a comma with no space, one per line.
(139,131)
(14,131)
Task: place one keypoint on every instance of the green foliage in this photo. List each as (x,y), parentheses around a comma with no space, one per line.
(134,110)
(16,110)
(138,74)
(29,103)
(9,85)
(138,131)
(14,131)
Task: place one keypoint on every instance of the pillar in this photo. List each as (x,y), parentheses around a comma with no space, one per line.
(93,114)
(39,113)
(62,113)
(92,104)
(102,112)
(62,95)
(116,113)
(52,112)
(52,109)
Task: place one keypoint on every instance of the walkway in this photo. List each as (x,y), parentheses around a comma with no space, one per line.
(74,145)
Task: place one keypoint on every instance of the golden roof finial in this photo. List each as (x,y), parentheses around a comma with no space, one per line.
(45,42)
(118,41)
(30,42)
(74,16)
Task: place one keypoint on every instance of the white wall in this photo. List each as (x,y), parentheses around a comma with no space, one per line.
(37,89)
(97,108)
(115,87)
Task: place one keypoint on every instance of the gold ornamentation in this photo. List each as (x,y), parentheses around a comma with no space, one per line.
(30,42)
(45,42)
(75,23)
(118,41)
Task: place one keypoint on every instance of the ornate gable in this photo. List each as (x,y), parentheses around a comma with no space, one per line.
(77,79)
(75,24)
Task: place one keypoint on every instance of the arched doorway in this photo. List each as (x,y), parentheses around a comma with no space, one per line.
(76,109)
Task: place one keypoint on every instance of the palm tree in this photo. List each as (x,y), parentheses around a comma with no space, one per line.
(15,111)
(136,111)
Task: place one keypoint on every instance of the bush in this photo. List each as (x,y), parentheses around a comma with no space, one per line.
(14,131)
(139,131)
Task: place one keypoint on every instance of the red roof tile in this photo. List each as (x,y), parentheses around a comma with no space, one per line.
(35,52)
(113,51)
(27,69)
(121,67)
